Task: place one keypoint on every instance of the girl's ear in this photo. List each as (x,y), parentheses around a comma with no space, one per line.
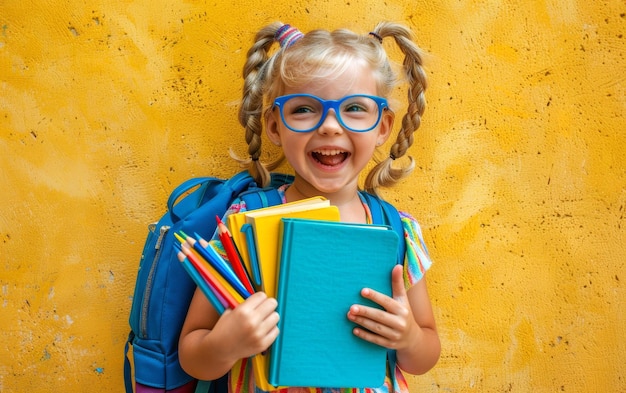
(386,127)
(271,128)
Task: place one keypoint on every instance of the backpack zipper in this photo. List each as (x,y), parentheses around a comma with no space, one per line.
(146,295)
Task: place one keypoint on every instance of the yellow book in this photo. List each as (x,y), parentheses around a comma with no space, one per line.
(236,224)
(266,226)
(265,223)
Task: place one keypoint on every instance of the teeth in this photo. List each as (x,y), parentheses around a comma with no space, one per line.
(329,152)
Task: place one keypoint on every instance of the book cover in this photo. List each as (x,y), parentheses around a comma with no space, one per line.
(323,267)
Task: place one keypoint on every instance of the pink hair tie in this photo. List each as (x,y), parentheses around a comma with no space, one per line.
(287,35)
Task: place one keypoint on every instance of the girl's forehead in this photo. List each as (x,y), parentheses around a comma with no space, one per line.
(354,77)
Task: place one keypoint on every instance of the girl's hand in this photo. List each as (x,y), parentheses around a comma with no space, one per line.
(250,328)
(394,327)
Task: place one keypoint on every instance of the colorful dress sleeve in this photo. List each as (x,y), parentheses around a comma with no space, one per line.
(417,260)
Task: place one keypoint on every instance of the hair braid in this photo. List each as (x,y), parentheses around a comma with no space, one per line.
(384,174)
(251,108)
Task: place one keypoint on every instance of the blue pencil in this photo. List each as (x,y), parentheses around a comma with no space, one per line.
(219,264)
(201,283)
(216,255)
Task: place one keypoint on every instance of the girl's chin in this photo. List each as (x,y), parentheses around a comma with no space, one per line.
(331,186)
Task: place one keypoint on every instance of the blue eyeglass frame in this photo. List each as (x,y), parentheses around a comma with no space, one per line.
(334,105)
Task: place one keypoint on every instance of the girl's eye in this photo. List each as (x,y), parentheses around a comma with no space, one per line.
(360,104)
(303,109)
(354,107)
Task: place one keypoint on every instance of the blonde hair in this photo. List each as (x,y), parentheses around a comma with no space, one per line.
(314,56)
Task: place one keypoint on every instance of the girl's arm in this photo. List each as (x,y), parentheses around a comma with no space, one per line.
(423,353)
(210,345)
(406,324)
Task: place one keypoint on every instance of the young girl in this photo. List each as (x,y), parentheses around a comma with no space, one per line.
(325,104)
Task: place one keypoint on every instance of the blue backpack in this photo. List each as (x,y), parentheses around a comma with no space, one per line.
(163,290)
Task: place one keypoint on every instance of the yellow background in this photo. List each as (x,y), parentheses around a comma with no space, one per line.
(105,106)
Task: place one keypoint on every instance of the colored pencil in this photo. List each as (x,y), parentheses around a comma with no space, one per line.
(200,283)
(233,254)
(221,284)
(217,287)
(207,253)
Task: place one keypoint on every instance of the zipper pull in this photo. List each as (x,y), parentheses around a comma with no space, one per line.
(162,232)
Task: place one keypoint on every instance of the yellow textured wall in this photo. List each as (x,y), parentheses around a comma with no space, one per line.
(520,183)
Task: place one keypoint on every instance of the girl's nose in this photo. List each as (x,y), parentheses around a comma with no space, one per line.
(330,125)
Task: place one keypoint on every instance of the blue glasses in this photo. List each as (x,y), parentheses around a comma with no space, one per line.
(306,112)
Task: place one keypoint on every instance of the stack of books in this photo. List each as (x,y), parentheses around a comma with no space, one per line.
(315,266)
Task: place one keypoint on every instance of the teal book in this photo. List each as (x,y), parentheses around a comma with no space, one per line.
(323,267)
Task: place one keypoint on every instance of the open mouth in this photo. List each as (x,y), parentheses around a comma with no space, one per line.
(330,157)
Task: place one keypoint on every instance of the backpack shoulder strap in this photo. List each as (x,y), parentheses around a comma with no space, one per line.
(211,187)
(262,197)
(268,196)
(385,213)
(127,367)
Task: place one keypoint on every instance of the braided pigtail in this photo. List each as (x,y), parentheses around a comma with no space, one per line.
(384,173)
(251,109)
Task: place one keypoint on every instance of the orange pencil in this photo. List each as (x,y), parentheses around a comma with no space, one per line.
(232,254)
(211,280)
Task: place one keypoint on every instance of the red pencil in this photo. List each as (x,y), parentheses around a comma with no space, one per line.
(233,255)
